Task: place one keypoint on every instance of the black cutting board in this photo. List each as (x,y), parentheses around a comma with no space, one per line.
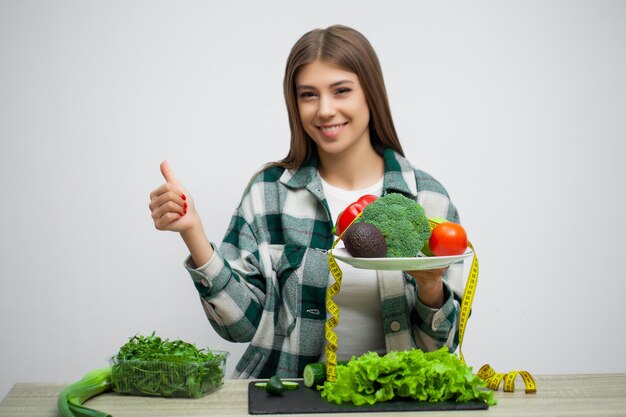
(307,400)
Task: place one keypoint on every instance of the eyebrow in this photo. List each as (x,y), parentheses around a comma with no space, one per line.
(335,84)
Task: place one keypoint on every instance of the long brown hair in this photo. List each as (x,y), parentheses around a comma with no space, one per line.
(349,49)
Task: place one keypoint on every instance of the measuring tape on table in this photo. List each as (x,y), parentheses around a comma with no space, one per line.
(486,373)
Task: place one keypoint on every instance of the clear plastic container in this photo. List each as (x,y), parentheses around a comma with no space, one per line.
(169,378)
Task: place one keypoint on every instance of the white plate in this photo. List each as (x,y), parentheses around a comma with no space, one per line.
(400,264)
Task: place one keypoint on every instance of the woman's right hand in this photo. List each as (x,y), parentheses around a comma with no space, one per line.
(173,209)
(171,205)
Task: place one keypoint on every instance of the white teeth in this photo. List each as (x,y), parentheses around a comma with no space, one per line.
(330,128)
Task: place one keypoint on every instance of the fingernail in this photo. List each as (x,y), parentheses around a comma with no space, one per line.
(185,211)
(180,214)
(183,196)
(185,206)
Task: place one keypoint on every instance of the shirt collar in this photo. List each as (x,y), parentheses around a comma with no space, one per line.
(399,174)
(306,176)
(398,177)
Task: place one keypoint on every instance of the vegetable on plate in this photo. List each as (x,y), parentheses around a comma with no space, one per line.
(448,239)
(402,222)
(351,212)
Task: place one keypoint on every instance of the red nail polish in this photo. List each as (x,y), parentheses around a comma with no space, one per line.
(185,211)
(185,206)
(183,196)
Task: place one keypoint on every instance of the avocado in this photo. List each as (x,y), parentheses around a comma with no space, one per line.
(364,240)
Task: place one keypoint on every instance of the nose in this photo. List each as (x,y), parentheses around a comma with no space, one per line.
(326,107)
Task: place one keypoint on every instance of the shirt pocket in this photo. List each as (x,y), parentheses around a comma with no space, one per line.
(286,263)
(314,276)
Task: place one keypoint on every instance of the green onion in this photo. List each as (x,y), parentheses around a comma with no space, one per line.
(72,397)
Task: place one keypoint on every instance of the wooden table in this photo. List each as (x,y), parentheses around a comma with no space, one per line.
(557,395)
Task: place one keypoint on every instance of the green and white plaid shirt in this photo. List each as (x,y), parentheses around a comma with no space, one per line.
(266,284)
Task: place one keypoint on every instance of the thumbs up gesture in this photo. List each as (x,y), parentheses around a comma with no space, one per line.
(171,206)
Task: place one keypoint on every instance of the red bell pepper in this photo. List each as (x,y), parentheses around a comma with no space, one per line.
(351,212)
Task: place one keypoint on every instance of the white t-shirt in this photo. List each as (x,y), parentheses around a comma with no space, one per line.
(360,327)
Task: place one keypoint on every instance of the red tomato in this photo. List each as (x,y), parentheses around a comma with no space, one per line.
(448,239)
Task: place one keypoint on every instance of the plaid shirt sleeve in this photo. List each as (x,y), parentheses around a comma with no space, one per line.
(266,283)
(238,282)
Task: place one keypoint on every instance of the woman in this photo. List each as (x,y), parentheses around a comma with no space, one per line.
(266,284)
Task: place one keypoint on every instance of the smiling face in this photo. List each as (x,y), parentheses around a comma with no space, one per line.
(332,107)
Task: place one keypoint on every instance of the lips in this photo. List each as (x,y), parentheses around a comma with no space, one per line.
(331,131)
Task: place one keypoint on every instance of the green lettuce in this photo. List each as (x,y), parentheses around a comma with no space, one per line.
(423,376)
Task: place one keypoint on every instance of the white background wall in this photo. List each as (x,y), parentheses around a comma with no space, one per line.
(518,107)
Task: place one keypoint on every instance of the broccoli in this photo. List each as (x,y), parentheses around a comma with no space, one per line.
(402,222)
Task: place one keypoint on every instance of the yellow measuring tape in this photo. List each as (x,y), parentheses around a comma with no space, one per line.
(494,379)
(486,373)
(333,320)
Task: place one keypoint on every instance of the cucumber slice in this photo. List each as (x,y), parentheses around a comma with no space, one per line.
(274,386)
(287,385)
(290,385)
(314,374)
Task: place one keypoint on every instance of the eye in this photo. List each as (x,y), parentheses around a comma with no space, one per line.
(342,91)
(307,95)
